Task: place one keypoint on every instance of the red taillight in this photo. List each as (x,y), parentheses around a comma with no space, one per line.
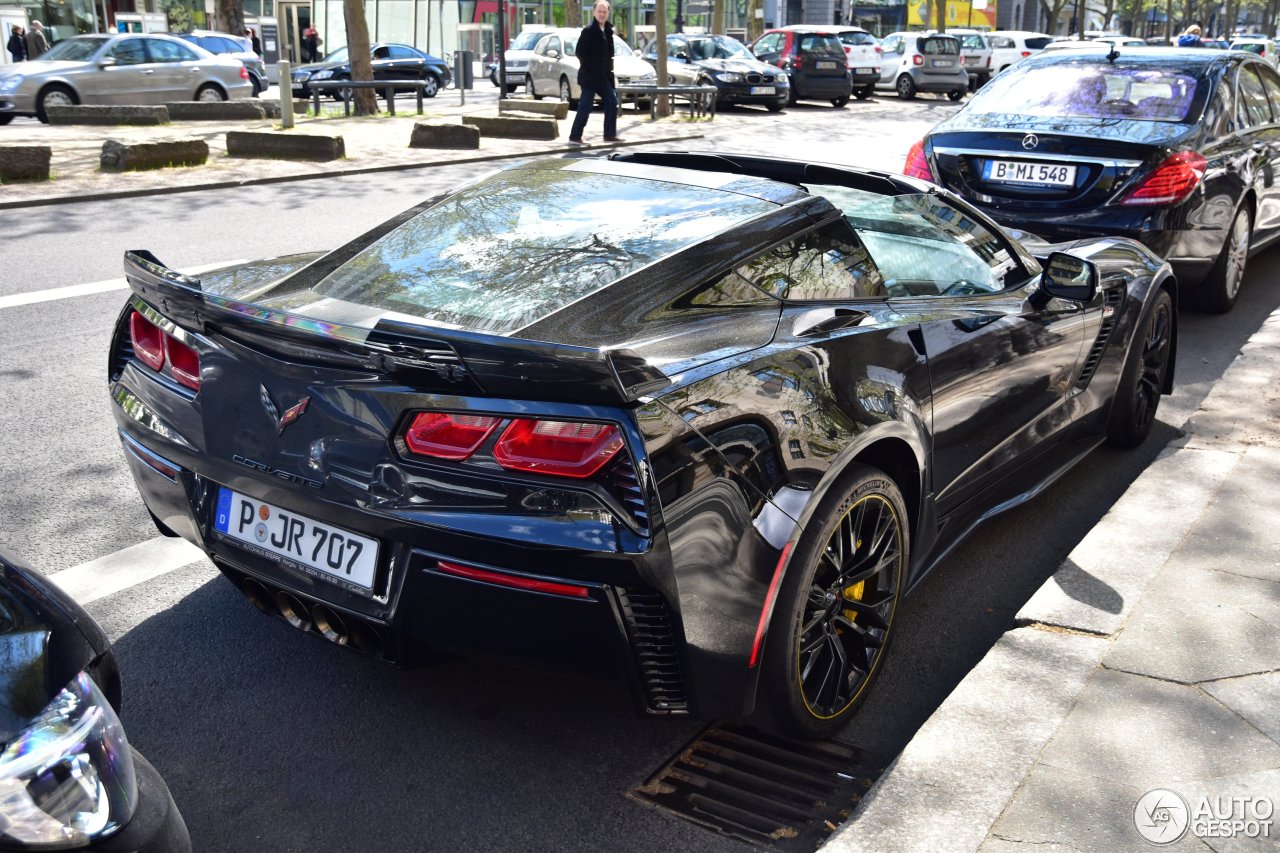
(917,59)
(148,341)
(1025,54)
(244,73)
(988,62)
(1171,182)
(516,581)
(963,63)
(154,347)
(448,436)
(557,447)
(879,49)
(184,362)
(917,163)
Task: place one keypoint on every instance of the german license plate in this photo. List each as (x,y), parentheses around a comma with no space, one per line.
(943,63)
(296,541)
(762,90)
(1015,172)
(865,70)
(824,66)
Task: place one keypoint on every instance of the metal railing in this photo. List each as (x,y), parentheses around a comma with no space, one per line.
(702,99)
(345,87)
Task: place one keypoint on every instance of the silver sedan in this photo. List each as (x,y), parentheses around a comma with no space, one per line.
(119,69)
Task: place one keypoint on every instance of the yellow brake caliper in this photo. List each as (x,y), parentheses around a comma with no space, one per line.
(854,593)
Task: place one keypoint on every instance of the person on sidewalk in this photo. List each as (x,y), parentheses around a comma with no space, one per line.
(253,41)
(1191,37)
(17,44)
(595,74)
(311,44)
(36,42)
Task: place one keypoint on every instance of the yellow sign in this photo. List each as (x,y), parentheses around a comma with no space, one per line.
(960,13)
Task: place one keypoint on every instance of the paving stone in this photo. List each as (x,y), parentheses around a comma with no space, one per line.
(1103,577)
(1254,697)
(1147,733)
(969,758)
(1264,785)
(1058,809)
(1240,533)
(1248,386)
(1194,624)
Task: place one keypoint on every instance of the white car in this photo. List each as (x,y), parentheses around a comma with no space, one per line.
(1101,42)
(1265,48)
(1008,46)
(553,68)
(517,56)
(976,50)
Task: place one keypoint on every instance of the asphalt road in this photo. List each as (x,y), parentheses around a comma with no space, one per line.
(275,741)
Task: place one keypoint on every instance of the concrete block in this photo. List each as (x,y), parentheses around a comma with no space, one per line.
(110,115)
(272,107)
(556,109)
(507,127)
(123,157)
(241,108)
(438,134)
(285,145)
(24,162)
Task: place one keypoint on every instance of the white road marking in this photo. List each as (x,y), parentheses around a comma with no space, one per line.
(74,290)
(134,565)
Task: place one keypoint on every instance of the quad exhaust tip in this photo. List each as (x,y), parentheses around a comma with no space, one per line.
(355,633)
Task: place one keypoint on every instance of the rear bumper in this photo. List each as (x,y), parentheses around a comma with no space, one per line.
(821,87)
(934,82)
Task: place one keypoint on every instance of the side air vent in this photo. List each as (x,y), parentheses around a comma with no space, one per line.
(625,484)
(1111,309)
(652,636)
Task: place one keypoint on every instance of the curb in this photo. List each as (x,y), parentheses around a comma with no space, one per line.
(366,170)
(962,769)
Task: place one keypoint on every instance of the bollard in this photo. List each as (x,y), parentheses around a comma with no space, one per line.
(286,94)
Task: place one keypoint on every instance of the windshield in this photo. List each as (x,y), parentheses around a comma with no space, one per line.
(621,48)
(79,49)
(519,246)
(815,43)
(339,55)
(527,39)
(938,46)
(973,42)
(718,47)
(1092,90)
(1252,46)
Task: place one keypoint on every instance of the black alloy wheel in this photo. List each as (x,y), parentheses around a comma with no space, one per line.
(528,88)
(833,617)
(1218,292)
(839,103)
(1133,412)
(864,92)
(955,94)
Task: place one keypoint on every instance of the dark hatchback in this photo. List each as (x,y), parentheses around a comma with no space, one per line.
(1175,147)
(696,420)
(814,62)
(69,780)
(390,62)
(725,63)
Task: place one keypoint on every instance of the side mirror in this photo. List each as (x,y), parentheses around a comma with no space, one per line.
(553,53)
(1068,277)
(682,56)
(107,62)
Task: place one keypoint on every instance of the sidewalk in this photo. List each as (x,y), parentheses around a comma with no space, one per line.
(372,144)
(1150,660)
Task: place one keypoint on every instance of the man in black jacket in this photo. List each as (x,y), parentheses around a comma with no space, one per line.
(595,74)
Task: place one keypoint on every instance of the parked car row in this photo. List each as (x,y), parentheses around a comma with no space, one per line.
(389,61)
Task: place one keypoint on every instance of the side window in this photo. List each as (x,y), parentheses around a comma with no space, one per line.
(1220,113)
(395,51)
(731,289)
(892,45)
(768,44)
(826,263)
(221,45)
(1271,82)
(675,47)
(1002,42)
(129,52)
(170,51)
(1255,109)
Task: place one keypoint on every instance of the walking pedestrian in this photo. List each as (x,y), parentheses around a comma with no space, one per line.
(595,74)
(253,40)
(36,41)
(17,44)
(311,41)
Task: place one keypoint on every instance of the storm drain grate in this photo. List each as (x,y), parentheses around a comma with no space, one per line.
(761,788)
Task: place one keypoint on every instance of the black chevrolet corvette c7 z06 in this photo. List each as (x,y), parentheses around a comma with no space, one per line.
(696,419)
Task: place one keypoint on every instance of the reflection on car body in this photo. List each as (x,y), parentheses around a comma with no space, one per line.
(698,420)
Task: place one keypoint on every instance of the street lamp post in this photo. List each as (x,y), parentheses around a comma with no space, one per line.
(502,48)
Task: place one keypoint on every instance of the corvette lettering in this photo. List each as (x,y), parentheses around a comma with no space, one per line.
(278,473)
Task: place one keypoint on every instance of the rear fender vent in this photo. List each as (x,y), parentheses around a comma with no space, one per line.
(624,484)
(651,632)
(1112,298)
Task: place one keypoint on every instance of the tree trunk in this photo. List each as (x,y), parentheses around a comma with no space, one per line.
(1168,21)
(365,100)
(717,16)
(231,15)
(940,15)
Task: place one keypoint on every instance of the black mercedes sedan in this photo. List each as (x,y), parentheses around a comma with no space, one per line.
(723,62)
(695,420)
(390,62)
(69,780)
(1175,147)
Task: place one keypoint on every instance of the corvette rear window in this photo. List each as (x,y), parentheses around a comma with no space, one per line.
(523,244)
(1093,90)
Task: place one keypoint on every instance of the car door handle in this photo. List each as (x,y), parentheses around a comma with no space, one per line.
(820,321)
(148,71)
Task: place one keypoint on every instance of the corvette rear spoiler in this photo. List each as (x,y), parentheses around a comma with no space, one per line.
(452,360)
